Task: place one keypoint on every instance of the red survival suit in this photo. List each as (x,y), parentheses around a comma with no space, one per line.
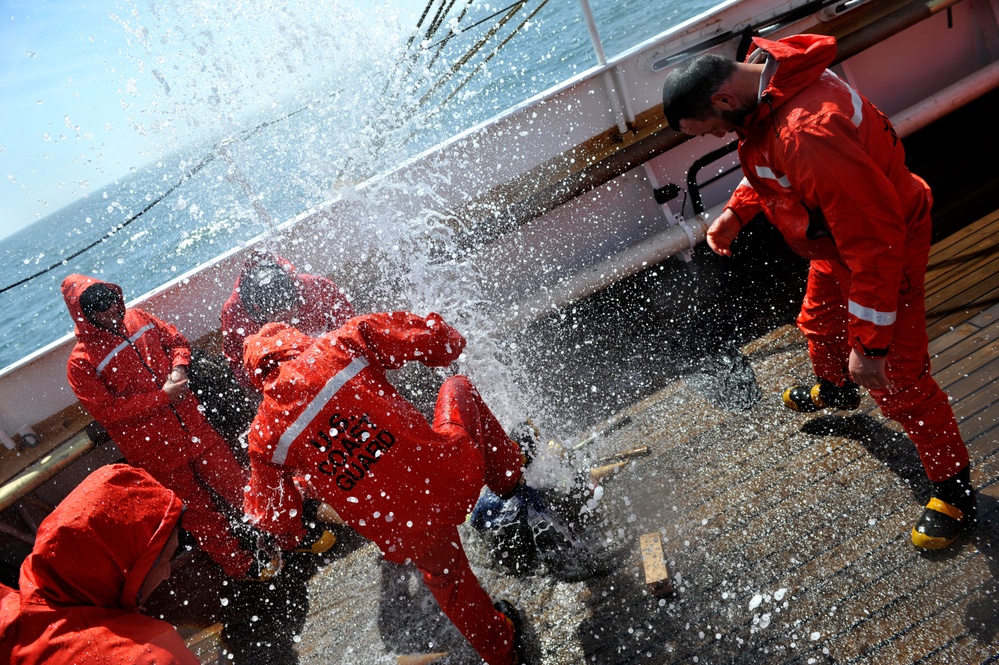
(828,169)
(118,377)
(323,309)
(79,588)
(330,415)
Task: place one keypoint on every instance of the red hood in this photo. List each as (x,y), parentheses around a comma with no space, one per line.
(72,288)
(274,344)
(101,541)
(801,59)
(256,258)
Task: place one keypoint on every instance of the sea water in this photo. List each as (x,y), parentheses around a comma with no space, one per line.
(338,127)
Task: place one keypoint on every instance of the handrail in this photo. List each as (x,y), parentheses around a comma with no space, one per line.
(693,188)
(43,469)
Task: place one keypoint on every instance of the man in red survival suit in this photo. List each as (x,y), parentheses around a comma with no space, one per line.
(97,558)
(330,415)
(828,170)
(269,288)
(129,369)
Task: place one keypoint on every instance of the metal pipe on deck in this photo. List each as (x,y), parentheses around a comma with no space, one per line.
(610,84)
(645,254)
(947,100)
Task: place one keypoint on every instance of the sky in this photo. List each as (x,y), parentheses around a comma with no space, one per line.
(92,89)
(64,126)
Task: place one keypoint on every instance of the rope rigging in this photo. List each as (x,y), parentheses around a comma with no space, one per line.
(110,234)
(205,161)
(419,89)
(458,65)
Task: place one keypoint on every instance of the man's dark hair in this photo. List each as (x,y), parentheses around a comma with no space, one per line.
(98,297)
(688,87)
(267,290)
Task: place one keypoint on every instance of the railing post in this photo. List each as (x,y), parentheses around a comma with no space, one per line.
(613,84)
(598,46)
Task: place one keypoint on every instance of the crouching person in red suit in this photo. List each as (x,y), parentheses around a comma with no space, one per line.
(330,415)
(96,559)
(129,369)
(270,288)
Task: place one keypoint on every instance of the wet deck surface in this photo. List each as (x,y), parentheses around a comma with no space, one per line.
(786,535)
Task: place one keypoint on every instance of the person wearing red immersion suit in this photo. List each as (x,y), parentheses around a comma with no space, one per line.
(129,370)
(828,170)
(331,416)
(96,559)
(269,288)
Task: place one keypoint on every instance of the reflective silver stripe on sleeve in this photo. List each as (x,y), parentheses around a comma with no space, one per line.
(855,99)
(858,108)
(116,350)
(315,406)
(766,172)
(872,315)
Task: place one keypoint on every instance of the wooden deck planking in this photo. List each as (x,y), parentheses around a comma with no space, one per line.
(956,344)
(967,293)
(771,515)
(962,252)
(964,317)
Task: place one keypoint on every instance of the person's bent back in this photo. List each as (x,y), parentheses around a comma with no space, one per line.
(96,558)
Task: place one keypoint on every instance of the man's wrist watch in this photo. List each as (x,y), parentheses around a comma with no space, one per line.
(874,353)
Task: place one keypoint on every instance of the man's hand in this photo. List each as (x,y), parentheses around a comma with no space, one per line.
(722,232)
(176,385)
(868,372)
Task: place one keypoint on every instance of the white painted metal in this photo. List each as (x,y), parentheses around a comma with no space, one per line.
(681,238)
(648,253)
(591,25)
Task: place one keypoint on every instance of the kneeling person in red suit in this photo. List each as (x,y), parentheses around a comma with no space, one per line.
(331,416)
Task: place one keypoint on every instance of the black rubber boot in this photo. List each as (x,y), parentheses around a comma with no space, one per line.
(823,395)
(949,512)
(507,609)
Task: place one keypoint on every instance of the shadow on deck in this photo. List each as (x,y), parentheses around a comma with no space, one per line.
(788,534)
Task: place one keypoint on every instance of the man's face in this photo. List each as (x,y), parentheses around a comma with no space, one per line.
(111,318)
(279,303)
(160,571)
(720,123)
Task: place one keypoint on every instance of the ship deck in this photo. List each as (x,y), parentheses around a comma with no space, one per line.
(786,535)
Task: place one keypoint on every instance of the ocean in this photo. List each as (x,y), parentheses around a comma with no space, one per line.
(347,120)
